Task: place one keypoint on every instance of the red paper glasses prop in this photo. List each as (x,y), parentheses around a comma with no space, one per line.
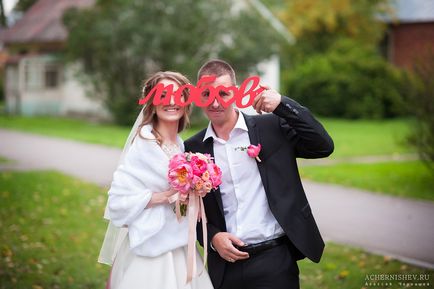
(204,94)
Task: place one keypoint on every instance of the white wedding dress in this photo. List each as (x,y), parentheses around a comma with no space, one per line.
(166,271)
(153,255)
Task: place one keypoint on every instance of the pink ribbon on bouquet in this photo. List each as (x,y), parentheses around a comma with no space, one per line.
(196,211)
(175,198)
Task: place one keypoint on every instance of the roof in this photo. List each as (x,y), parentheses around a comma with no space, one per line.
(412,11)
(43,22)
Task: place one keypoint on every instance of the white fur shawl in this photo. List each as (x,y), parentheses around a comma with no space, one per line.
(155,230)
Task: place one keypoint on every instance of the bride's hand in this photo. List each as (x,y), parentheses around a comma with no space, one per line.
(170,192)
(160,198)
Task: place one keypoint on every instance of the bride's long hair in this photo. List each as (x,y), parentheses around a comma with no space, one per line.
(149,115)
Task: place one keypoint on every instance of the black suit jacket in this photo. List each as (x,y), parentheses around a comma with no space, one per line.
(289,132)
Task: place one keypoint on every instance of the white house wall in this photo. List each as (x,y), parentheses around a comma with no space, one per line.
(77,98)
(27,95)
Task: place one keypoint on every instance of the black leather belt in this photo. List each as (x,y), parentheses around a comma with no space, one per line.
(262,246)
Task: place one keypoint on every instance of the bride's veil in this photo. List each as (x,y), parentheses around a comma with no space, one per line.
(115,235)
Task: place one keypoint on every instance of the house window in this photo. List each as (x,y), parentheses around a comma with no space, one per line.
(41,73)
(32,74)
(52,75)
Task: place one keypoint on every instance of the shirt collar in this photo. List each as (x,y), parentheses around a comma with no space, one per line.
(239,125)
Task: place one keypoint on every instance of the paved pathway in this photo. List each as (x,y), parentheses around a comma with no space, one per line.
(392,226)
(381,224)
(90,162)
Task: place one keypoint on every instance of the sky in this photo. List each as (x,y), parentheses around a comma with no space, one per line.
(8,5)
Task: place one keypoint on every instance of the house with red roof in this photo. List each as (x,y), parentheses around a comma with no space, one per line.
(37,80)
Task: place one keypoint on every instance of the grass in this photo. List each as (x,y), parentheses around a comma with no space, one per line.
(51,230)
(352,137)
(410,179)
(343,267)
(110,135)
(4,160)
(368,137)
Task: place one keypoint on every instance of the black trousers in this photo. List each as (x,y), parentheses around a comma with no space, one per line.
(274,268)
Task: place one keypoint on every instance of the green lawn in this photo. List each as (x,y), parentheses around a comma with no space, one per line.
(368,137)
(352,137)
(343,267)
(410,179)
(51,229)
(105,134)
(3,160)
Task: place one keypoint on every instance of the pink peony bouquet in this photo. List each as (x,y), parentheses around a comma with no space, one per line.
(193,173)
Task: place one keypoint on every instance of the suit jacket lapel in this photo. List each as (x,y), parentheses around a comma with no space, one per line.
(208,145)
(255,139)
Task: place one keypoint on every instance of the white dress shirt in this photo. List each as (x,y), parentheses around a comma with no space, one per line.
(245,205)
(151,231)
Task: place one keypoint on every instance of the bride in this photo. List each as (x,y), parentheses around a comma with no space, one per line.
(145,242)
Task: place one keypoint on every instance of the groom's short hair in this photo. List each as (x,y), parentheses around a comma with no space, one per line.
(218,68)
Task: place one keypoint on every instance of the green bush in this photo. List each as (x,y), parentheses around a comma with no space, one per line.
(349,81)
(421,105)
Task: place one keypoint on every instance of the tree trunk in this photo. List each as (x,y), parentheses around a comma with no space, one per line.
(2,15)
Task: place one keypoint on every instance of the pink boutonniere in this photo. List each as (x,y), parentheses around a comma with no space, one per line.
(252,151)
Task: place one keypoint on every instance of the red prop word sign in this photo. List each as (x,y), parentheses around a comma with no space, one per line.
(204,94)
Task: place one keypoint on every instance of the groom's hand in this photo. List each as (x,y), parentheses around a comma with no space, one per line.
(224,242)
(267,100)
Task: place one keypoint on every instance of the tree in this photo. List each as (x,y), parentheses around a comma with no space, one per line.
(317,24)
(120,42)
(2,15)
(24,5)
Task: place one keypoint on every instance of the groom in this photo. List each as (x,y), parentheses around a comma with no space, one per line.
(259,220)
